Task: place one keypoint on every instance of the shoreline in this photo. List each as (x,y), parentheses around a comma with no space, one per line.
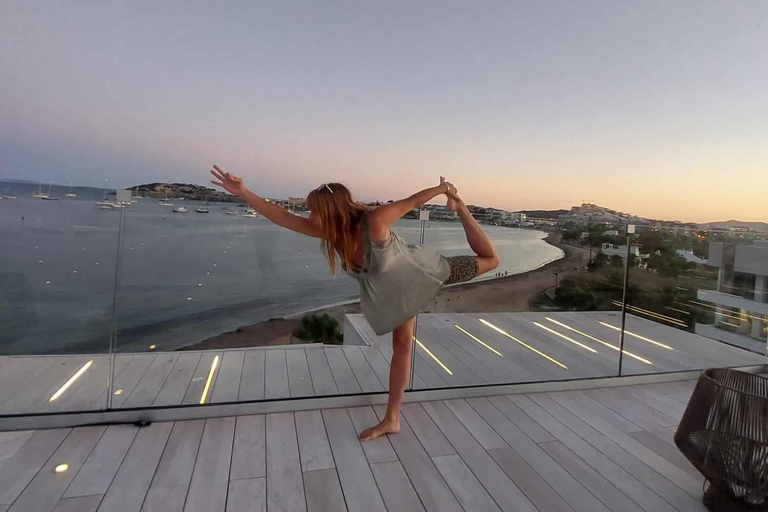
(512,292)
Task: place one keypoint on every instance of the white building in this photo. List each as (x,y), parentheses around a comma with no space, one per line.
(741,297)
(610,249)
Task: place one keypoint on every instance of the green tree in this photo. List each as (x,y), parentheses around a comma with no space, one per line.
(600,259)
(617,261)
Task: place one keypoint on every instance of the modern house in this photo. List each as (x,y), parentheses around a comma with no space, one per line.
(740,303)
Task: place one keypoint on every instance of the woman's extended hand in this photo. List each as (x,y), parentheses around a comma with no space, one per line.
(227,181)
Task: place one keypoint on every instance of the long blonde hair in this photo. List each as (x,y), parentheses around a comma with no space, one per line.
(339,216)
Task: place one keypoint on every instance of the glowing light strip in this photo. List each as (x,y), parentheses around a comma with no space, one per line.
(651,314)
(210,377)
(726,310)
(637,336)
(679,310)
(542,354)
(430,354)
(479,341)
(614,347)
(732,325)
(537,324)
(71,381)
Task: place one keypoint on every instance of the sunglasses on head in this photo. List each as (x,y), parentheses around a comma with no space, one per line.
(326,186)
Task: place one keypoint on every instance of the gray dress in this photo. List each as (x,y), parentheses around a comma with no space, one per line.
(396,279)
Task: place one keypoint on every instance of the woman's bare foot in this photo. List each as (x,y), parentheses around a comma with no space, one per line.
(454,202)
(385,427)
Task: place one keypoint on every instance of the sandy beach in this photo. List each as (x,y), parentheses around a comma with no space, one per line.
(509,293)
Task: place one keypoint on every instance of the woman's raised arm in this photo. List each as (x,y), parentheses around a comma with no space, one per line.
(384,216)
(277,214)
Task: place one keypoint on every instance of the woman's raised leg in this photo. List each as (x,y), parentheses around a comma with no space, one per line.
(487,258)
(399,371)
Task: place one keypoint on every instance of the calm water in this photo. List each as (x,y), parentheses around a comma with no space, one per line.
(182,277)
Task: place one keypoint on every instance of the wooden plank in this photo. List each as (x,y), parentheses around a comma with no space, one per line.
(429,378)
(376,450)
(658,401)
(673,473)
(485,435)
(314,449)
(593,412)
(11,442)
(652,442)
(362,370)
(210,479)
(379,365)
(275,375)
(396,489)
(612,472)
(252,380)
(600,488)
(45,490)
(506,494)
(464,484)
(175,387)
(631,408)
(94,396)
(102,464)
(285,487)
(22,467)
(228,380)
(566,486)
(249,454)
(35,396)
(322,378)
(342,373)
(197,385)
(248,495)
(79,504)
(299,379)
(16,373)
(433,440)
(131,483)
(149,386)
(130,377)
(422,472)
(462,375)
(536,488)
(532,429)
(480,359)
(174,472)
(357,482)
(563,415)
(324,491)
(674,495)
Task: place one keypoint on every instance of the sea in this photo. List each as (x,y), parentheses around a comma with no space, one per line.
(177,278)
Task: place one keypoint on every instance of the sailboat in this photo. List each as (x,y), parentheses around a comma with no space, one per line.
(164,202)
(70,194)
(105,203)
(40,194)
(48,196)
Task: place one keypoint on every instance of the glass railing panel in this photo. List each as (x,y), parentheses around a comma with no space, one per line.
(219,305)
(694,299)
(58,253)
(533,318)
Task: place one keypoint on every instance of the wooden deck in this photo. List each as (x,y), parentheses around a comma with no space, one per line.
(575,451)
(453,350)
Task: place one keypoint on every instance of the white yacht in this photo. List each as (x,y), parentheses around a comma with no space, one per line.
(180,209)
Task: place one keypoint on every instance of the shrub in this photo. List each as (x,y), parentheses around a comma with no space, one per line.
(320,329)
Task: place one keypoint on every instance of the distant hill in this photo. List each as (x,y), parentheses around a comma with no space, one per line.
(726,224)
(543,214)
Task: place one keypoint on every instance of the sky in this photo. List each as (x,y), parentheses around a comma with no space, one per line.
(658,108)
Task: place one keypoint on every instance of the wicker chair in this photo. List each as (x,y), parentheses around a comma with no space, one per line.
(724,433)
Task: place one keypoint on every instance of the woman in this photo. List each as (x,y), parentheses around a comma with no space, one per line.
(396,278)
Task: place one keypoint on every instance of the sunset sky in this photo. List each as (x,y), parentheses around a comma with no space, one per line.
(655,107)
